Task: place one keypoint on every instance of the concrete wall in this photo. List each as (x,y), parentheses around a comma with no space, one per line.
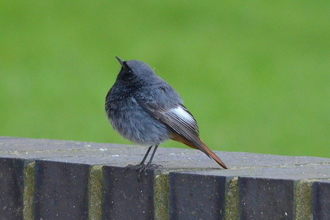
(51,179)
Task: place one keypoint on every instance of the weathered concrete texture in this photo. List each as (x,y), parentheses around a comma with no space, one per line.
(263,198)
(263,193)
(61,190)
(303,199)
(121,155)
(196,196)
(95,192)
(161,196)
(232,199)
(126,197)
(321,200)
(28,194)
(11,188)
(81,180)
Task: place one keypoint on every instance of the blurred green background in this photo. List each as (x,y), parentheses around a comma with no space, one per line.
(255,74)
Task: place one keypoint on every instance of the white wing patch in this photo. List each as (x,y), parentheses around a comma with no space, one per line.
(183,118)
(183,114)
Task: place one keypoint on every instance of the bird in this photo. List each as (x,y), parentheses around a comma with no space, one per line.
(146,110)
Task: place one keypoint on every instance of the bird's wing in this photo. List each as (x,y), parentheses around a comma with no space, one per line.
(179,119)
(183,124)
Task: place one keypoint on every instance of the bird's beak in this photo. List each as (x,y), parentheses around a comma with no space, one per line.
(120,61)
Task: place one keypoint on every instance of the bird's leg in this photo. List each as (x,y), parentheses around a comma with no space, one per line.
(141,164)
(149,164)
(145,166)
(142,167)
(147,153)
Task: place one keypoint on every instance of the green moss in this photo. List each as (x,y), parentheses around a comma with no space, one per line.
(303,199)
(28,193)
(95,193)
(161,195)
(232,200)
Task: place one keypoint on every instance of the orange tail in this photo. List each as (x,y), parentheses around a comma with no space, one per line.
(213,155)
(201,147)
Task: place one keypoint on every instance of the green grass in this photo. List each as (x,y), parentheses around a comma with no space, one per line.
(256,75)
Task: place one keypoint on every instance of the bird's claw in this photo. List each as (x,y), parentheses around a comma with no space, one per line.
(141,167)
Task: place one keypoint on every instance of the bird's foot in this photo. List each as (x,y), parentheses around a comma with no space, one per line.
(141,167)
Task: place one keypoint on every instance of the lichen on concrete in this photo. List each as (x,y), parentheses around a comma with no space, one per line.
(232,200)
(95,193)
(161,196)
(303,199)
(28,193)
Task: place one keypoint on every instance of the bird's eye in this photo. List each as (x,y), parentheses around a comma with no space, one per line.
(128,75)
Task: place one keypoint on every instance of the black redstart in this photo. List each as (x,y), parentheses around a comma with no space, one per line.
(145,109)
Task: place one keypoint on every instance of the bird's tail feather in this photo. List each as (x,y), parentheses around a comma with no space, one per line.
(200,146)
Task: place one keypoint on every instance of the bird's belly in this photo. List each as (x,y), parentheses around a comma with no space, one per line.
(136,125)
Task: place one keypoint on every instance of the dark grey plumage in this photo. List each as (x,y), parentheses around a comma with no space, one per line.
(145,109)
(137,88)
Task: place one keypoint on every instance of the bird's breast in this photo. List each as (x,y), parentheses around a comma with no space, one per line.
(130,120)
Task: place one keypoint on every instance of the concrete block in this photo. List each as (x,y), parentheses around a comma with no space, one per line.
(61,190)
(11,188)
(321,200)
(262,198)
(196,196)
(126,197)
